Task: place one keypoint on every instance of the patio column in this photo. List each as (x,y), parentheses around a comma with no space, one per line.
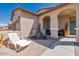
(77,31)
(54,26)
(77,25)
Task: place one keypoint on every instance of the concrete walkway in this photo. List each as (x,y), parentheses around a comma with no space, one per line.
(63,47)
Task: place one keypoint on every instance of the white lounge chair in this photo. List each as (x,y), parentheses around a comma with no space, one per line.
(14,39)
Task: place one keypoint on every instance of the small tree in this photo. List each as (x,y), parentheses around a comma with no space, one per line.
(1,37)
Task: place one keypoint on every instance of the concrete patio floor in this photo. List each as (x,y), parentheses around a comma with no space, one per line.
(36,48)
(63,47)
(49,47)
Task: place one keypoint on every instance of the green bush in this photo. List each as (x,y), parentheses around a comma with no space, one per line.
(1,36)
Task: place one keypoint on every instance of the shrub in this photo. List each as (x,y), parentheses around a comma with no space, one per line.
(1,36)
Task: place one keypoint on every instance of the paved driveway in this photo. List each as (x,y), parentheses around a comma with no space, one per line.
(63,47)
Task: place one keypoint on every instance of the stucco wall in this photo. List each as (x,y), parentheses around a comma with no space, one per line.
(30,16)
(26,26)
(77,23)
(54,18)
(17,25)
(62,22)
(21,24)
(24,22)
(16,15)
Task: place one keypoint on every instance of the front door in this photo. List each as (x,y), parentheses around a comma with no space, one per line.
(72,27)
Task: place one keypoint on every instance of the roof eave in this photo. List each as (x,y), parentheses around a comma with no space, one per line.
(24,10)
(53,9)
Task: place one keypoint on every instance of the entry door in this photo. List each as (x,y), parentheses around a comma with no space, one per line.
(72,27)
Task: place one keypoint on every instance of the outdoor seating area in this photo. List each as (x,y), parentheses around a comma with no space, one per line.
(39,47)
(14,42)
(13,45)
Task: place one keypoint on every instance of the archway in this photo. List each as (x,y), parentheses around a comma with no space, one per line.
(46,25)
(67,22)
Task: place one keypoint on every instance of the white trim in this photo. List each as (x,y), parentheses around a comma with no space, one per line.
(76,28)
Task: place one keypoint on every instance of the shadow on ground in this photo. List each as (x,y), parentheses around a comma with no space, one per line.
(50,43)
(45,42)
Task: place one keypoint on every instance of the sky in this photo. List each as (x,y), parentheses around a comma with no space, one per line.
(6,9)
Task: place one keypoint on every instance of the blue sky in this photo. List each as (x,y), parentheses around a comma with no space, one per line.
(6,9)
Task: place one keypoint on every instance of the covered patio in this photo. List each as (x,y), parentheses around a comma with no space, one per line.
(67,23)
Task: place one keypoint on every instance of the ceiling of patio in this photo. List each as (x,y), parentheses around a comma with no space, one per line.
(67,13)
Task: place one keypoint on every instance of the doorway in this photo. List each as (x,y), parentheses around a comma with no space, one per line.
(46,25)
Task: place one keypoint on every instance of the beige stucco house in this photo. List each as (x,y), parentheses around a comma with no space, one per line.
(62,18)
